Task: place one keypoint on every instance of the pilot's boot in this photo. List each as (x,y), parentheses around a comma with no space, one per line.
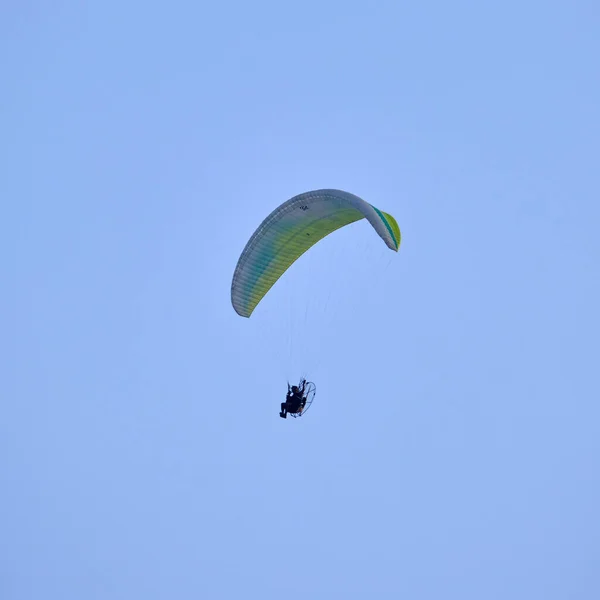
(283,415)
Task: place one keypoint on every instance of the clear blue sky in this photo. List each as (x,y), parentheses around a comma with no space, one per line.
(453,447)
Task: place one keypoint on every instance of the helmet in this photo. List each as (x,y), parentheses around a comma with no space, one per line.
(294,388)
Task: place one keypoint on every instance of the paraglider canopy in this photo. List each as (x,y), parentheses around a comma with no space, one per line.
(290,230)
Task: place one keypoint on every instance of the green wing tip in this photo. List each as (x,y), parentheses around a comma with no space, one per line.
(394,227)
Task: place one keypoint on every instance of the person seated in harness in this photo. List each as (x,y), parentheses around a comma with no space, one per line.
(294,401)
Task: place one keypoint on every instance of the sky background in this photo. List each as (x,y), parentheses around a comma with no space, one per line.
(453,447)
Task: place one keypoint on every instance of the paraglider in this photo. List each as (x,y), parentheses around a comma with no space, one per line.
(298,399)
(283,237)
